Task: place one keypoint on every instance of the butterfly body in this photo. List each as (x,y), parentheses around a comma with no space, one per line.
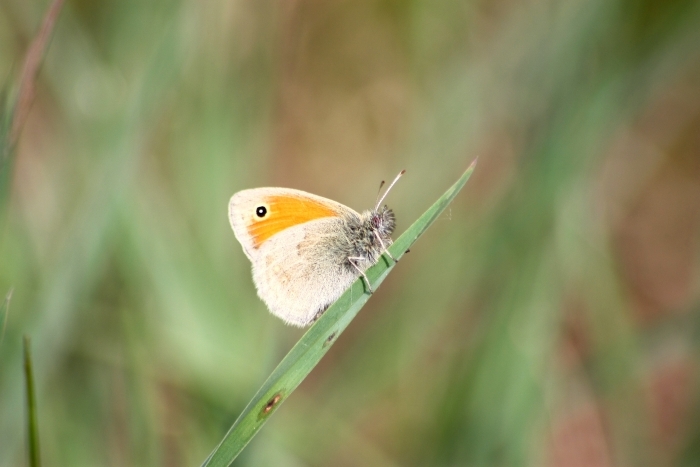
(306,250)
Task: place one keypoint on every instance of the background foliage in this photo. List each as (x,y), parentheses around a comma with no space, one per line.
(550,319)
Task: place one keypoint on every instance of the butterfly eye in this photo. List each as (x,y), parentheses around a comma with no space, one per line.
(261,211)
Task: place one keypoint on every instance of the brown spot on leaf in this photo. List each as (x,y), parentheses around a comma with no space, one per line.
(271,405)
(330,339)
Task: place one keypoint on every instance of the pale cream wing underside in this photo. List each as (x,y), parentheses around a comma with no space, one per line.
(298,273)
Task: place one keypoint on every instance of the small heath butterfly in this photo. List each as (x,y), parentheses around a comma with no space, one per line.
(306,249)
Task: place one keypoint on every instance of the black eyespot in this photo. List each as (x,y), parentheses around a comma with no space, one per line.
(261,211)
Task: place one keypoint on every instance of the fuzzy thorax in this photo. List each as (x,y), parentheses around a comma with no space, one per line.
(367,237)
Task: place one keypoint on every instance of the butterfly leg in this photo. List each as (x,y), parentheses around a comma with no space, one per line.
(384,248)
(319,313)
(352,261)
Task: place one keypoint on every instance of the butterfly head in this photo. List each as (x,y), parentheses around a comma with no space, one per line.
(373,234)
(381,218)
(383,221)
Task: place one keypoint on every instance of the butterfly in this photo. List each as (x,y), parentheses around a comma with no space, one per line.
(306,250)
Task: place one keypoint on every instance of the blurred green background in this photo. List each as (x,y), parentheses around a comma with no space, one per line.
(551,318)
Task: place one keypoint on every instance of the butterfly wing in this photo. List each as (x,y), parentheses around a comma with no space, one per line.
(260,213)
(292,238)
(303,270)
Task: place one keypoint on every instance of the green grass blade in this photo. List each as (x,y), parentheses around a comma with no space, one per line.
(4,312)
(304,356)
(32,425)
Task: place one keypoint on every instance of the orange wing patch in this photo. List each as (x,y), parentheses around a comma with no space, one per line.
(282,213)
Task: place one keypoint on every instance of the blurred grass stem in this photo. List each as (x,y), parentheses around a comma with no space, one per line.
(32,424)
(4,312)
(14,114)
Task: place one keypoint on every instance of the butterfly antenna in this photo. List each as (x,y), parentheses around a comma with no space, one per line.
(389,189)
(379,192)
